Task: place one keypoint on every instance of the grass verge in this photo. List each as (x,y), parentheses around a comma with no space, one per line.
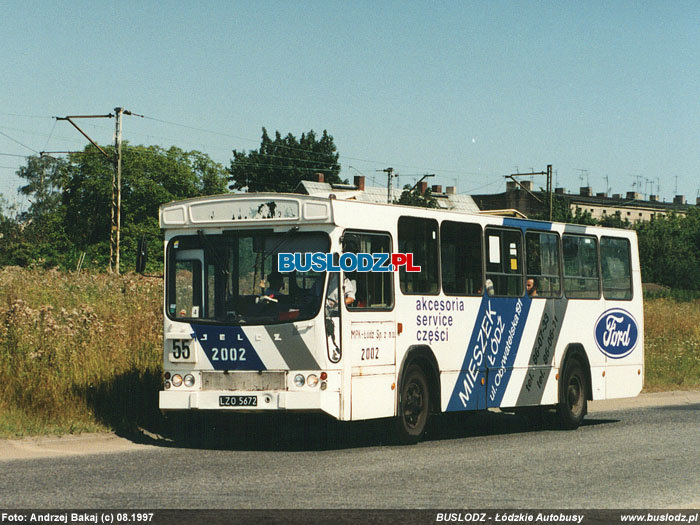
(672,343)
(78,352)
(82,352)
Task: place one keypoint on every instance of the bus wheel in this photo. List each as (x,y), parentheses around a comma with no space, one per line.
(572,403)
(414,406)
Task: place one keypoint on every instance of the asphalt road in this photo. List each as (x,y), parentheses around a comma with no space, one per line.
(638,454)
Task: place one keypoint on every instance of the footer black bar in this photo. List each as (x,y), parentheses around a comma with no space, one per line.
(350,516)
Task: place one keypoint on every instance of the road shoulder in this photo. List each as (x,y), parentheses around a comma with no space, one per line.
(70,445)
(106,443)
(652,399)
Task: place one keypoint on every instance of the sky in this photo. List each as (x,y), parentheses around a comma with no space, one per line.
(606,92)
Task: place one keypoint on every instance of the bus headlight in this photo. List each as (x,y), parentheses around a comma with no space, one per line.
(189,380)
(312,380)
(176,380)
(299,380)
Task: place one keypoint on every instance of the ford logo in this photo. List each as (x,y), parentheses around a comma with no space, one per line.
(616,333)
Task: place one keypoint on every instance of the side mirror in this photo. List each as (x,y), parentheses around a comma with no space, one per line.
(141,255)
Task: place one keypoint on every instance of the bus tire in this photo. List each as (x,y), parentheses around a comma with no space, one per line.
(573,403)
(414,406)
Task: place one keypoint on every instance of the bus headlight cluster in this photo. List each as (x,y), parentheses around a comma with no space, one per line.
(176,380)
(311,380)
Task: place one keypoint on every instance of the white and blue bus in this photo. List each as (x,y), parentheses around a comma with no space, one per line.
(505,312)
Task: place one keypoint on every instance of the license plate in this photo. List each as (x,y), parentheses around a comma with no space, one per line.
(238,401)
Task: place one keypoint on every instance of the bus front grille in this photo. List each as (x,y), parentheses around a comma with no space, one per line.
(248,381)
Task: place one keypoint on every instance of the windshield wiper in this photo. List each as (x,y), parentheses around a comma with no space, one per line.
(283,238)
(208,246)
(219,269)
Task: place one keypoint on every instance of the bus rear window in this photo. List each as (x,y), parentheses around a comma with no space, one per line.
(615,263)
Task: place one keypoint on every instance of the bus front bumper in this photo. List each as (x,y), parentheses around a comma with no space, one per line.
(312,401)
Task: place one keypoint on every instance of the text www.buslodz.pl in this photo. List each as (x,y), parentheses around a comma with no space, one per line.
(347,262)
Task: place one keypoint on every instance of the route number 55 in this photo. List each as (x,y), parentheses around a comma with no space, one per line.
(181,350)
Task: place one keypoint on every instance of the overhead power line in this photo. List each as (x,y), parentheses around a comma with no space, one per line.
(39,134)
(282,146)
(26,116)
(15,155)
(18,142)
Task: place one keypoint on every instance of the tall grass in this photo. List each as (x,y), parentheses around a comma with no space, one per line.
(672,342)
(78,352)
(83,352)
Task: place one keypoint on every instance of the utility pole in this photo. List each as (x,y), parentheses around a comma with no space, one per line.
(421,180)
(390,174)
(115,232)
(549,191)
(116,160)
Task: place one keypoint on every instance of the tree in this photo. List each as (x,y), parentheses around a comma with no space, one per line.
(45,178)
(71,201)
(615,221)
(669,250)
(561,211)
(412,196)
(279,165)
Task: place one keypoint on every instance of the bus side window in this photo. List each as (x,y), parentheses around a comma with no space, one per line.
(373,290)
(581,278)
(504,265)
(186,297)
(616,266)
(542,263)
(419,237)
(460,258)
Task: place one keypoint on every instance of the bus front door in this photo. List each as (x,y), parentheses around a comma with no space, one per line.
(369,351)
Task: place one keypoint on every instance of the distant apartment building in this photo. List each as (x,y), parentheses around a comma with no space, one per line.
(632,206)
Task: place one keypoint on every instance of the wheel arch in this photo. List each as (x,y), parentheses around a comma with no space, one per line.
(578,352)
(423,356)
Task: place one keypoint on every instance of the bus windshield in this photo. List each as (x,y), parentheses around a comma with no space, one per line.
(233,277)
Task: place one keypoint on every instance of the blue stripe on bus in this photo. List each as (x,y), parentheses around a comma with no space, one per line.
(527,225)
(491,353)
(229,342)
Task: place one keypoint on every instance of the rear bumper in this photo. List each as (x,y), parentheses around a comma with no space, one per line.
(325,401)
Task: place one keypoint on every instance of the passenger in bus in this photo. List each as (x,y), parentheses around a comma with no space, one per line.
(350,245)
(349,291)
(531,286)
(275,283)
